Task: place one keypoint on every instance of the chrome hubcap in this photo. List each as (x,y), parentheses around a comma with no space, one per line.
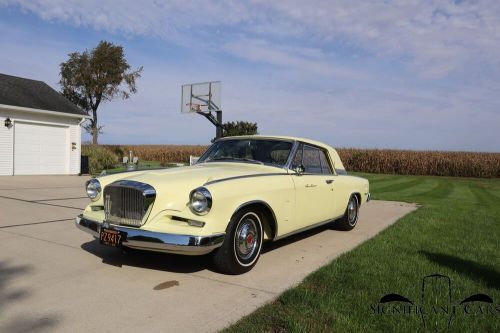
(352,211)
(246,238)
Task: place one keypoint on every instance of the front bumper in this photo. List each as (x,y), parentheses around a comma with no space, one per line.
(156,241)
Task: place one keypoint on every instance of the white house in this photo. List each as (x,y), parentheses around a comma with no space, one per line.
(40,130)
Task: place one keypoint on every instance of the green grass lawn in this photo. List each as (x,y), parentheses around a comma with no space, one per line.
(455,233)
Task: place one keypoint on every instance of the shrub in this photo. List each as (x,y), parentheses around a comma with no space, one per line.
(165,154)
(235,128)
(100,158)
(117,150)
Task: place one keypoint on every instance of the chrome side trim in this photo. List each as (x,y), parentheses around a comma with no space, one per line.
(246,176)
(156,241)
(312,226)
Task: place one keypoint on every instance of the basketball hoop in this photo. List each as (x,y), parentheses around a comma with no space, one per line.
(203,99)
(194,107)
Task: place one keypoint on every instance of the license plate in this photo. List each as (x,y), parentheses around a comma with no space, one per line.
(111,237)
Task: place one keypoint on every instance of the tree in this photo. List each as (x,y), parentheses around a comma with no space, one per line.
(239,128)
(93,77)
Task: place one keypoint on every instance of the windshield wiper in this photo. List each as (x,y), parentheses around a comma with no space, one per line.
(235,159)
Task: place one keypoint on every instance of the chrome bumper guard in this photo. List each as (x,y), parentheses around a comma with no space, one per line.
(156,241)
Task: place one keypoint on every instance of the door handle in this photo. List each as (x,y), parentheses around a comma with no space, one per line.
(329,181)
(311,185)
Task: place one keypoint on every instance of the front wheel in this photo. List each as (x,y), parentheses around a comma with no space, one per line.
(350,218)
(241,247)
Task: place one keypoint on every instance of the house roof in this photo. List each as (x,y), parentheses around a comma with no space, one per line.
(33,94)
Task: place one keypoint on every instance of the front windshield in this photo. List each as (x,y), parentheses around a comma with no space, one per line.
(270,152)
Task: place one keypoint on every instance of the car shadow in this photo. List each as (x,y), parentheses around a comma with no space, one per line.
(473,270)
(178,263)
(148,259)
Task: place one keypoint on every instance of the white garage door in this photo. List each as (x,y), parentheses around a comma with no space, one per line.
(40,149)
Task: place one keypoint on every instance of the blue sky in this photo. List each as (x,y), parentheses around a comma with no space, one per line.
(374,74)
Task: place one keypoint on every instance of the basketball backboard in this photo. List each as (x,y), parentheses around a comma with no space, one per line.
(201,97)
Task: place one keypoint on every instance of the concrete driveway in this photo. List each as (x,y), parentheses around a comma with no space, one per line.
(55,278)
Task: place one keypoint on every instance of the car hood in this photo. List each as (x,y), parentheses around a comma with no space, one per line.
(199,174)
(174,185)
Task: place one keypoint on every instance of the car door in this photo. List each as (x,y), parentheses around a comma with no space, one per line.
(313,186)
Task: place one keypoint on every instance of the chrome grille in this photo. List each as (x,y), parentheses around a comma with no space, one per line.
(127,202)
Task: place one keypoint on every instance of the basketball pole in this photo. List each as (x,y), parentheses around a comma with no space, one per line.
(219,127)
(216,121)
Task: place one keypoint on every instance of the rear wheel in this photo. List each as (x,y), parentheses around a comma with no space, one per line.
(350,218)
(241,247)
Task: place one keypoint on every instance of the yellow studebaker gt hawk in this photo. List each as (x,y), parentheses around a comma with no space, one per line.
(242,191)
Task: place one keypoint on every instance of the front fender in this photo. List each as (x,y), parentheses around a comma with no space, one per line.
(276,191)
(228,197)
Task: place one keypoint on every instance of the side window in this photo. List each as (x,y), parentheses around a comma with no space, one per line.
(311,159)
(325,166)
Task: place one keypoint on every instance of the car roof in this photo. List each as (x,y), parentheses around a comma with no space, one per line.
(288,138)
(333,153)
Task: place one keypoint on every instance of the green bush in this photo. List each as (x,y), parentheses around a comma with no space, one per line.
(235,128)
(100,158)
(117,150)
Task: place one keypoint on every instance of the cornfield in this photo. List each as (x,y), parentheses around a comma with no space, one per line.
(431,163)
(403,162)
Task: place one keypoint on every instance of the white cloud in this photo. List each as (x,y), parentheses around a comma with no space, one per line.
(437,37)
(311,60)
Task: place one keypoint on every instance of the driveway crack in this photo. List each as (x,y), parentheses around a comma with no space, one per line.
(236,284)
(33,223)
(40,203)
(41,239)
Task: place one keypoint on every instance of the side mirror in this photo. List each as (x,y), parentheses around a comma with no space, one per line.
(299,170)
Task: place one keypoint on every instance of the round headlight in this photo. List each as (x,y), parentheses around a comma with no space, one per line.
(93,188)
(200,201)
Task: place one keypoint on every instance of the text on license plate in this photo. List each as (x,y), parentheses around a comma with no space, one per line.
(111,237)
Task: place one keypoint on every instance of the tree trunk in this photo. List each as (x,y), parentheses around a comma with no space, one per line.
(94,135)
(95,128)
